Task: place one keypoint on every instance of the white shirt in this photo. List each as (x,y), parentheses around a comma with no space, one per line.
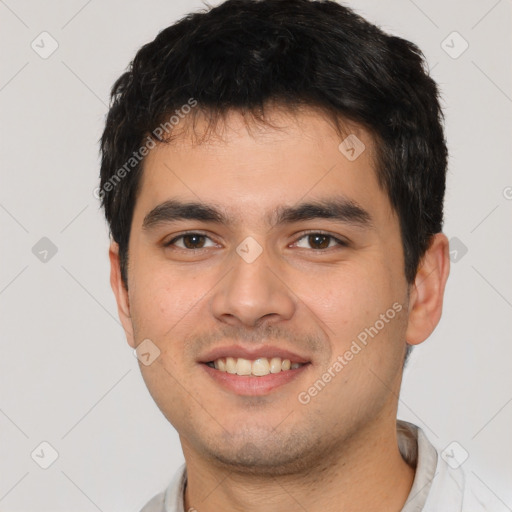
(437,487)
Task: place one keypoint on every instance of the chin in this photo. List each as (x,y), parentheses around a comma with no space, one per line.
(268,454)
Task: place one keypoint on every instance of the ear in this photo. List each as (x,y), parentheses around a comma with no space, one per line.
(427,291)
(121,293)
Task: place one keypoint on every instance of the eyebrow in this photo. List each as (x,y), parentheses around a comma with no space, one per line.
(339,209)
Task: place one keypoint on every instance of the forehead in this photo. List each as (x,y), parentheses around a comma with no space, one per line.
(252,169)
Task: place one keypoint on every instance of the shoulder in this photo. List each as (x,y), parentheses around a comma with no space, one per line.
(455,488)
(171,499)
(155,504)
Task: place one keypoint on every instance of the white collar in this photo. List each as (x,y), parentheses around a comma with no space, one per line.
(436,486)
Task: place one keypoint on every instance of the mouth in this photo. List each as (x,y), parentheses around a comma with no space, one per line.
(253,373)
(259,367)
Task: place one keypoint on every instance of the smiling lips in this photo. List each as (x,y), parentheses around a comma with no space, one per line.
(253,370)
(258,367)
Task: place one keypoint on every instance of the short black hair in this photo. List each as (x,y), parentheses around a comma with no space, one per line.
(246,54)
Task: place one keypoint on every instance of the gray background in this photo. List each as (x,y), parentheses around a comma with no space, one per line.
(67,375)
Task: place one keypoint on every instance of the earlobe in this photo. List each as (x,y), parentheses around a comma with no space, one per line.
(426,297)
(121,293)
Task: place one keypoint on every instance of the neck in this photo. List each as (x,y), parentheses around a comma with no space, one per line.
(368,474)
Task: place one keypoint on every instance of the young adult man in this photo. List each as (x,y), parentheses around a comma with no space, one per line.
(273,174)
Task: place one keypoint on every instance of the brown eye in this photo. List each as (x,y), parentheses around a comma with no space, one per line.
(190,241)
(193,241)
(319,241)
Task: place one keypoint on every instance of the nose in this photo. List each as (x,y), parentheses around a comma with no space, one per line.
(253,292)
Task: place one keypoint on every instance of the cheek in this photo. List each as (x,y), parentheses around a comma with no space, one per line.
(161,301)
(349,303)
(345,299)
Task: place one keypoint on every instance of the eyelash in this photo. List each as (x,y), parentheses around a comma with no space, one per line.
(340,243)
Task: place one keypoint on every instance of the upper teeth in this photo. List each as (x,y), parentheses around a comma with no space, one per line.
(259,367)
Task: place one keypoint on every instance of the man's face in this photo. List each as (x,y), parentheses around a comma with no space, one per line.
(271,281)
